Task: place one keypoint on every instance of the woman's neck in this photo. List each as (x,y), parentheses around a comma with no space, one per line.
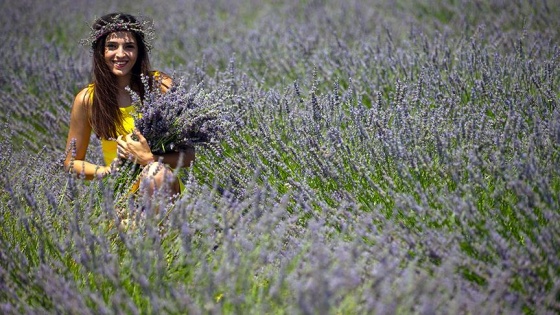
(123,96)
(123,82)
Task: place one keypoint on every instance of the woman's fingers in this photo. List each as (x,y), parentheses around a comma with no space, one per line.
(134,147)
(120,142)
(139,135)
(122,148)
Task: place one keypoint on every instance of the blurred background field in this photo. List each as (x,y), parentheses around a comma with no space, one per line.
(392,157)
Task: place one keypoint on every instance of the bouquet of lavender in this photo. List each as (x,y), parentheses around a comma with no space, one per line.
(173,121)
(182,117)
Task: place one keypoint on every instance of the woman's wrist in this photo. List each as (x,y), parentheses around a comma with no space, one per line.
(151,159)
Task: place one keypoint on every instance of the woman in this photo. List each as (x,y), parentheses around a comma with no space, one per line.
(120,44)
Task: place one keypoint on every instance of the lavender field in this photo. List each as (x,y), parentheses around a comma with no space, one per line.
(389,157)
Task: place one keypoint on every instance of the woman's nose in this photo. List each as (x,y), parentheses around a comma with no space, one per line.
(120,51)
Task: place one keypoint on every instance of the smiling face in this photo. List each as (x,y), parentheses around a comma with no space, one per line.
(121,53)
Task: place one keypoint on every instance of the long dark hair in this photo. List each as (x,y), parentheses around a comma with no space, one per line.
(105,116)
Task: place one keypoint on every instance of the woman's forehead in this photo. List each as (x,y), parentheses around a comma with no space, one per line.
(121,35)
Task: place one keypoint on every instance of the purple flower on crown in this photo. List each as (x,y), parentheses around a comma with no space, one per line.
(142,26)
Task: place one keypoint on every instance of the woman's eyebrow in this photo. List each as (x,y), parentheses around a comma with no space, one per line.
(116,42)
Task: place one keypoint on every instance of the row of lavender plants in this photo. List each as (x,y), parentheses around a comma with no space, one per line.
(392,157)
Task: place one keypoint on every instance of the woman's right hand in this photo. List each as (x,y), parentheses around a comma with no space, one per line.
(103,171)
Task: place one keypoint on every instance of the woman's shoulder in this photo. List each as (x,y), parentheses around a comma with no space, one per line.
(87,91)
(85,95)
(164,78)
(157,74)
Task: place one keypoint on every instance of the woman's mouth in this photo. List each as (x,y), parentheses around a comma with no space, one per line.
(120,64)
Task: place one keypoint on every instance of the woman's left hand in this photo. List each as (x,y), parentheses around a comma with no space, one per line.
(134,150)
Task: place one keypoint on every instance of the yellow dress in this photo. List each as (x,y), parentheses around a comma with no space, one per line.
(109,147)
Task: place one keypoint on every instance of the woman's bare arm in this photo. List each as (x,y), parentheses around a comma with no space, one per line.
(173,159)
(78,140)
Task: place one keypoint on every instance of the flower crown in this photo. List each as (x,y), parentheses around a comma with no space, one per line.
(120,22)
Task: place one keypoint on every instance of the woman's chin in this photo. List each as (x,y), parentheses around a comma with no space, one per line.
(121,72)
